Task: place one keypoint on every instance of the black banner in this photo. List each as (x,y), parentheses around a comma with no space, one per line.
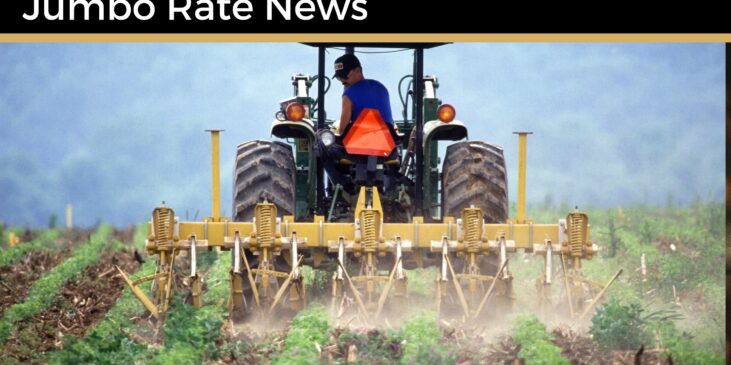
(345,16)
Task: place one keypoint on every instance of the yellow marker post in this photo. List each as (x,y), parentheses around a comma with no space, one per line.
(215,174)
(13,239)
(522,141)
(69,216)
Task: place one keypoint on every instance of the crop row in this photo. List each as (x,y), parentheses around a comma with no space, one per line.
(108,341)
(191,333)
(42,292)
(18,252)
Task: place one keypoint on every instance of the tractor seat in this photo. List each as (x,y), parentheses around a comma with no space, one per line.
(346,162)
(391,160)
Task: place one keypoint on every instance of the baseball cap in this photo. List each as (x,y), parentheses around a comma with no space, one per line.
(344,64)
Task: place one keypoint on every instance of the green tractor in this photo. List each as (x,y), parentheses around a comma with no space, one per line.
(473,173)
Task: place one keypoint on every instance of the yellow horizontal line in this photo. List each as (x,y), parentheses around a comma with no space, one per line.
(386,37)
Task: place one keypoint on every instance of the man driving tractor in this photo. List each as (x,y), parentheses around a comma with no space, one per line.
(360,95)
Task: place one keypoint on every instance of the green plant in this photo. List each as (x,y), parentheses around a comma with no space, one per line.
(536,344)
(684,351)
(308,328)
(421,336)
(421,282)
(315,280)
(236,348)
(627,326)
(617,326)
(191,333)
(614,242)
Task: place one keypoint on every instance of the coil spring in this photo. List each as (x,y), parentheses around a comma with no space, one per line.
(472,236)
(162,224)
(368,224)
(576,224)
(265,224)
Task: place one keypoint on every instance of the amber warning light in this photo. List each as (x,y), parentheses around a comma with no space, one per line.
(295,112)
(446,113)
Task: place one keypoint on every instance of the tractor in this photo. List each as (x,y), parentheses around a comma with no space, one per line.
(401,210)
(473,174)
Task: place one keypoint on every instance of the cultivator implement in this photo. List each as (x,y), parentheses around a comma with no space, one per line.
(268,252)
(270,240)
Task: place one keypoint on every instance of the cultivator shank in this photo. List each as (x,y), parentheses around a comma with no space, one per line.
(164,242)
(580,294)
(265,243)
(368,246)
(472,246)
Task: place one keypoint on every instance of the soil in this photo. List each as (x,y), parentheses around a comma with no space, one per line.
(577,348)
(642,357)
(503,351)
(580,349)
(73,237)
(29,235)
(673,245)
(259,346)
(125,235)
(79,306)
(15,279)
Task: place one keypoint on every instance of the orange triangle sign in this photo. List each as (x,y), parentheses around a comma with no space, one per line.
(369,135)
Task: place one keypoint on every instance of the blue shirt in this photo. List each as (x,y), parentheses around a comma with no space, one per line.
(369,94)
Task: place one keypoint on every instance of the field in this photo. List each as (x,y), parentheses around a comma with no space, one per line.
(63,302)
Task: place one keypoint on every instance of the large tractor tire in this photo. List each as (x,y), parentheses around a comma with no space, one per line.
(264,170)
(474,174)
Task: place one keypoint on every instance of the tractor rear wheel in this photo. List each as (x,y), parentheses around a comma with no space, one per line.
(263,170)
(474,174)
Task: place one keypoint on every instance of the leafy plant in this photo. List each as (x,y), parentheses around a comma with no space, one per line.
(421,282)
(617,326)
(421,341)
(684,351)
(315,280)
(308,328)
(191,333)
(628,326)
(537,346)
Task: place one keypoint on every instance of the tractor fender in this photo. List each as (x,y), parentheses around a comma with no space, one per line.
(436,130)
(290,129)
